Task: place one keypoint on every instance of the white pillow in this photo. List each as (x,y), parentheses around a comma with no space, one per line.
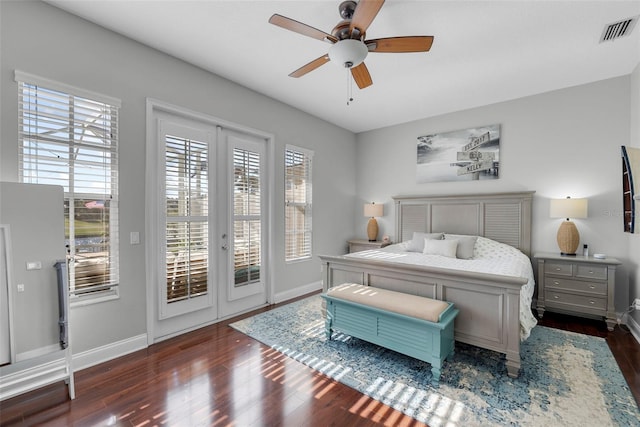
(440,247)
(417,243)
(465,245)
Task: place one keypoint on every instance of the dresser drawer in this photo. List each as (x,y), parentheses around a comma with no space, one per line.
(557,283)
(559,269)
(592,271)
(569,301)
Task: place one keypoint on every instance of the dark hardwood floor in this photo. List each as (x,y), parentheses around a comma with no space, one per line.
(216,376)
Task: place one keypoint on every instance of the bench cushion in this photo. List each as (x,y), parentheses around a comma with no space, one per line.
(397,302)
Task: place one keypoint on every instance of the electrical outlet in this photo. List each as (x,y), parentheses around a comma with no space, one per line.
(20,287)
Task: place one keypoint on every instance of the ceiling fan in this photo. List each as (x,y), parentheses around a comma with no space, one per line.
(349,46)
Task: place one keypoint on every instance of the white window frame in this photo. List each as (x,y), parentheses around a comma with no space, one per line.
(306,252)
(111,290)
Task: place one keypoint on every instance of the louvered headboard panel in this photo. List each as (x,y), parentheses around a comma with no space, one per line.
(504,217)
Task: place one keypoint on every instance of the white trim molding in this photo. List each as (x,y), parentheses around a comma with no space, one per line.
(108,352)
(297,292)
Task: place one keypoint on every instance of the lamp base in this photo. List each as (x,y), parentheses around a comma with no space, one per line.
(568,238)
(372,229)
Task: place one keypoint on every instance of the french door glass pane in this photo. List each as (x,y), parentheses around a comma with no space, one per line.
(246,222)
(187,228)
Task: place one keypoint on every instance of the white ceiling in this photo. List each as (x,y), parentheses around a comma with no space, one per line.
(484,51)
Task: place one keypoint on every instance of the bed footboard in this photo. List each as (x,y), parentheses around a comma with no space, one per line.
(489,304)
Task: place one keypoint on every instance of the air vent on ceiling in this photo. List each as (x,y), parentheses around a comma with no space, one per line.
(618,29)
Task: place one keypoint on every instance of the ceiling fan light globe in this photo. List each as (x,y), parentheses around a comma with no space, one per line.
(348,53)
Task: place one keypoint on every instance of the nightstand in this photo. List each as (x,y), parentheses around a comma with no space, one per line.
(577,285)
(357,245)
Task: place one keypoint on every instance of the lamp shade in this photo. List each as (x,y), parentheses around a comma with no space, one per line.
(568,208)
(373,210)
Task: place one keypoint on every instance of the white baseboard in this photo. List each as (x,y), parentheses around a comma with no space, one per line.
(299,291)
(634,328)
(107,352)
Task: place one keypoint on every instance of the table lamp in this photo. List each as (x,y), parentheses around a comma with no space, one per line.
(568,236)
(372,210)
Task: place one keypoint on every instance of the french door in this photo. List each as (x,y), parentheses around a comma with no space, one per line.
(244,223)
(211,219)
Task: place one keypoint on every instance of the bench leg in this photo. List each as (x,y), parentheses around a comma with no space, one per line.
(435,372)
(327,326)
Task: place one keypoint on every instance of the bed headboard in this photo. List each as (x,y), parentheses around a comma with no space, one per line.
(504,217)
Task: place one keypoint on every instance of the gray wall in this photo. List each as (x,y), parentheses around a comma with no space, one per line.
(61,47)
(634,239)
(561,143)
(35,215)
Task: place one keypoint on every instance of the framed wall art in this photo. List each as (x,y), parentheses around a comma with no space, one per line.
(461,155)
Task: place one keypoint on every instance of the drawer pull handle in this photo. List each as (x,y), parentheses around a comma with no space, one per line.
(592,302)
(556,297)
(591,287)
(555,282)
(558,269)
(590,271)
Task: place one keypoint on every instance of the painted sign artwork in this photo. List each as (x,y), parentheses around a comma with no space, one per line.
(461,155)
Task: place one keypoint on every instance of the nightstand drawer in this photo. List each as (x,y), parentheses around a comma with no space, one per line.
(556,283)
(560,269)
(592,271)
(571,301)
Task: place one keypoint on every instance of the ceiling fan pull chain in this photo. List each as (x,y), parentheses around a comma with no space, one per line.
(349,88)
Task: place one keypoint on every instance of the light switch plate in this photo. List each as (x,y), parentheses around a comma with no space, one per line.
(34,265)
(134,237)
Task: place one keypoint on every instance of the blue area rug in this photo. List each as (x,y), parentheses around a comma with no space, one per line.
(566,379)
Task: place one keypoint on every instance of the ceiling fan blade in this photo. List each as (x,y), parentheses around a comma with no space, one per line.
(361,76)
(310,66)
(400,44)
(300,28)
(363,16)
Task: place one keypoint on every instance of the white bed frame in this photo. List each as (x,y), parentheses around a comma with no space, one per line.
(489,304)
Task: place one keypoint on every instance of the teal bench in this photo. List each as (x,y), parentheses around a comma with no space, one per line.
(409,324)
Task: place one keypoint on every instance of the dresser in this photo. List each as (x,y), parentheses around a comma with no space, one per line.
(357,245)
(582,286)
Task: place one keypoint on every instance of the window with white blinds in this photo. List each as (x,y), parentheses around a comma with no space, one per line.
(297,182)
(71,140)
(246,217)
(187,221)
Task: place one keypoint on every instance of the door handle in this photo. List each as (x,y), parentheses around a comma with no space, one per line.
(225,247)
